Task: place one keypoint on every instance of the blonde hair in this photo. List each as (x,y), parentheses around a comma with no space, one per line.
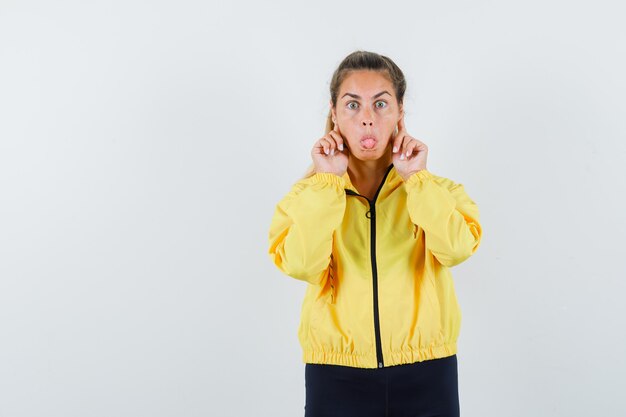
(357,61)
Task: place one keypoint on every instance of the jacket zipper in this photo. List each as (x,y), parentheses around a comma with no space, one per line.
(372,211)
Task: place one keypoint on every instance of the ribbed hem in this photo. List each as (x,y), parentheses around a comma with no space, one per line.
(369,361)
(327,177)
(336,358)
(418,355)
(420,175)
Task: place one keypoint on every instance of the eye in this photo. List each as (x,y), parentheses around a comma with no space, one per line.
(351,103)
(385,104)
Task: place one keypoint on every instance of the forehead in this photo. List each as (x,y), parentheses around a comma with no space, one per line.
(365,84)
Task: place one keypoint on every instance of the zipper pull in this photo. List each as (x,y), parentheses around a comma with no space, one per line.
(368,214)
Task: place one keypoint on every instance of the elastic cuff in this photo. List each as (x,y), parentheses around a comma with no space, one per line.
(420,175)
(327,177)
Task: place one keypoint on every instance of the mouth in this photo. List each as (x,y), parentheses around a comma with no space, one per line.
(368,141)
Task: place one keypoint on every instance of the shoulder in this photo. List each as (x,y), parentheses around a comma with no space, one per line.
(440,179)
(445,181)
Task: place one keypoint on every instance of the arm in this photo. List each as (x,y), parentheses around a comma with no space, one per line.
(301,231)
(449,218)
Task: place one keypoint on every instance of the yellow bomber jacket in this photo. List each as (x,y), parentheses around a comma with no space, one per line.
(380,292)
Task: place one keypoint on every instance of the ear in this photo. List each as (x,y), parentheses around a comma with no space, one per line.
(332,110)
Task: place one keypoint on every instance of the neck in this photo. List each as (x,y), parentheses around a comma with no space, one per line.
(365,171)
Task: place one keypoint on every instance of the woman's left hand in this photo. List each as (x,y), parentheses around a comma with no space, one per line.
(408,154)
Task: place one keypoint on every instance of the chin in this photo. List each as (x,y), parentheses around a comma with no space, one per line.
(368,155)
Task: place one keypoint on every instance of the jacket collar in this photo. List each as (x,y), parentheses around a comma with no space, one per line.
(390,179)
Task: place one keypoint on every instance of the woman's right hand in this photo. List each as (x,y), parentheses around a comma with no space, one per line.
(330,153)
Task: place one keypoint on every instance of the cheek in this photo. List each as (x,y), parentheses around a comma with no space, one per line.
(347,118)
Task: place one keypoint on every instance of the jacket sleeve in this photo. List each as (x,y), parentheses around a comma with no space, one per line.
(301,231)
(449,218)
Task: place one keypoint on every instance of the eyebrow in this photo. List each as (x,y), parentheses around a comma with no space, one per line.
(359,97)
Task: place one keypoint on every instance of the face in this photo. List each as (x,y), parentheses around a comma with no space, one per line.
(367,113)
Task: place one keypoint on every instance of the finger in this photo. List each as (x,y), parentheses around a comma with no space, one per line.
(410,148)
(421,146)
(330,137)
(323,146)
(405,146)
(401,126)
(416,145)
(338,139)
(339,142)
(401,132)
(397,141)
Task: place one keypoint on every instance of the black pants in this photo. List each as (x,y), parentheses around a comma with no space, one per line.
(421,389)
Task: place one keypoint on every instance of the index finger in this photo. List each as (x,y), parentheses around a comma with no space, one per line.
(401,123)
(339,143)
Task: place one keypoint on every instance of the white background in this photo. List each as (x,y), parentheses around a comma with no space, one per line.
(144,145)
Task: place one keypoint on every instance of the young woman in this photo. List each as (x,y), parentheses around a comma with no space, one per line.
(374,233)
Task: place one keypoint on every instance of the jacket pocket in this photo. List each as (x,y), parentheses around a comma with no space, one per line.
(417,231)
(332,280)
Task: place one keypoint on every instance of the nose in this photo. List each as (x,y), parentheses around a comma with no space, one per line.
(367,118)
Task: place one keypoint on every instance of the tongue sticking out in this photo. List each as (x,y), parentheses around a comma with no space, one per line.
(368,143)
